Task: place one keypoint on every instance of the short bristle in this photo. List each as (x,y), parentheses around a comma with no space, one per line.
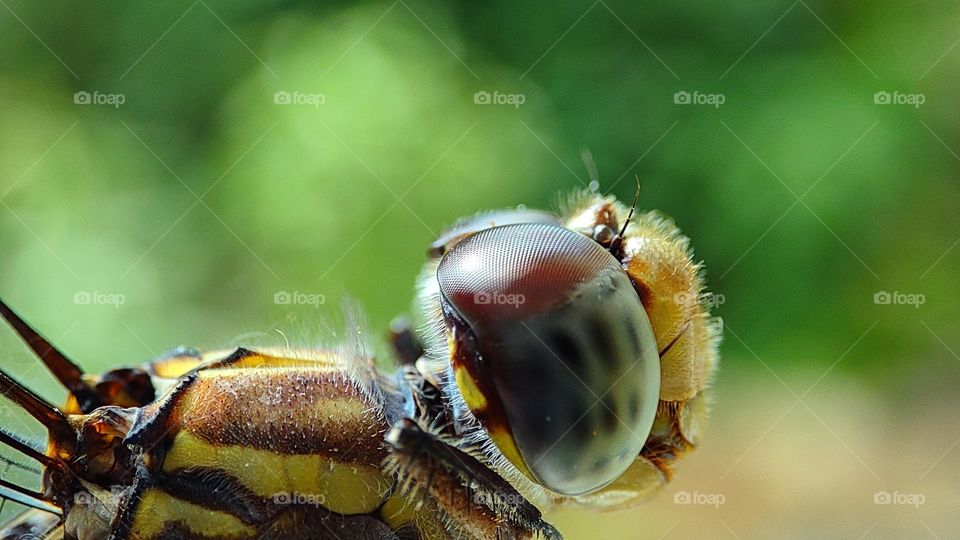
(65,370)
(25,447)
(14,464)
(37,407)
(27,497)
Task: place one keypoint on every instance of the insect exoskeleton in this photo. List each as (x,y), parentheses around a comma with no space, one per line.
(242,444)
(565,359)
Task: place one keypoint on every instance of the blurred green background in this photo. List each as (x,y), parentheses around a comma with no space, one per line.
(178,193)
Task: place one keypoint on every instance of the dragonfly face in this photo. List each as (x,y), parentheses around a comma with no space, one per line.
(562,363)
(552,351)
(574,349)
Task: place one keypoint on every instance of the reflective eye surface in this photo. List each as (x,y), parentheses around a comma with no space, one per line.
(552,351)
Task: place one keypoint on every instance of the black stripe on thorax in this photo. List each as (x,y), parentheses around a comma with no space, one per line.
(217,490)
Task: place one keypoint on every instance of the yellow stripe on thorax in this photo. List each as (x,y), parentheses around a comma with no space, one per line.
(346,488)
(157,509)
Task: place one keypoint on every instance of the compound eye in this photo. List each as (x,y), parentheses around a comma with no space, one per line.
(466,227)
(552,351)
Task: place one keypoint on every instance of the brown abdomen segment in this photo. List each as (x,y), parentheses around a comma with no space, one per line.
(258,446)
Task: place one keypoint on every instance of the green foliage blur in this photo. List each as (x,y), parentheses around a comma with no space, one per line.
(178,216)
(339,199)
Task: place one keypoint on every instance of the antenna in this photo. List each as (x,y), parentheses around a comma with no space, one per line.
(633,208)
(617,240)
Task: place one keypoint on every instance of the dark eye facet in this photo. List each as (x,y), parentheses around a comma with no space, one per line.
(552,351)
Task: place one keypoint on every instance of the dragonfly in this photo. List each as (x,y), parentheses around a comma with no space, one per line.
(557,359)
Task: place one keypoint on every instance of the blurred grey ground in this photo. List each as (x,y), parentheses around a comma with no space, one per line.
(280,150)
